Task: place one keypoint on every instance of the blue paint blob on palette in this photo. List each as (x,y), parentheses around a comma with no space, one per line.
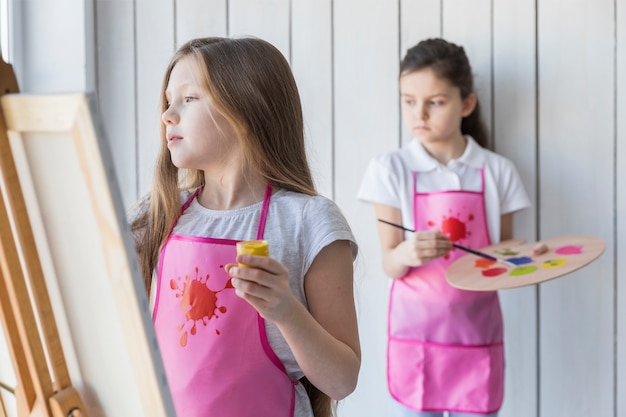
(522,260)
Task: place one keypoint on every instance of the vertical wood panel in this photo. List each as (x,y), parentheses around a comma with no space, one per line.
(621,209)
(514,136)
(116,88)
(266,19)
(419,20)
(366,124)
(311,61)
(576,134)
(200,18)
(57,51)
(155,46)
(468,23)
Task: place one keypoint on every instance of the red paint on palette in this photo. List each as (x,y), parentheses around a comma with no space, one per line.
(493,272)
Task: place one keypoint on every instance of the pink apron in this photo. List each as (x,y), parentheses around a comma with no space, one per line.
(445,348)
(217,358)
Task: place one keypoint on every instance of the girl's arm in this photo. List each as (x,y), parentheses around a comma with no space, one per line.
(399,254)
(506,227)
(324,340)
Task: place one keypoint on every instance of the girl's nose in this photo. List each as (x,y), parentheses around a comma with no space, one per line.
(169,116)
(421,112)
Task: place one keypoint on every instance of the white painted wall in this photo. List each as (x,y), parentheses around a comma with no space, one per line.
(551,78)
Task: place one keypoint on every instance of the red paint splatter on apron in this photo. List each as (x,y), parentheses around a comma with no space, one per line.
(453,228)
(198,302)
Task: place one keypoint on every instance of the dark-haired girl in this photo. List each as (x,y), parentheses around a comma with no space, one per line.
(445,346)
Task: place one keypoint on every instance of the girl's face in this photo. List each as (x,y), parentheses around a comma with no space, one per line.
(432,108)
(198,136)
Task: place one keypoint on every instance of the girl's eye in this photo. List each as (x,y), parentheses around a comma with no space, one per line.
(189,98)
(409,102)
(436,103)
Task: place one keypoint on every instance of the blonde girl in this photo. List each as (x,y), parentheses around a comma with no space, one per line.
(276,338)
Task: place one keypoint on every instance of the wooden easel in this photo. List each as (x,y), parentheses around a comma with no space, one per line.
(43,387)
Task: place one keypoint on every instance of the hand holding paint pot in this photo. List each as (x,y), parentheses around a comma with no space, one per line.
(252,247)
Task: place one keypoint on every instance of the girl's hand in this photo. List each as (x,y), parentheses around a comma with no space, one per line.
(423,247)
(264,284)
(539,249)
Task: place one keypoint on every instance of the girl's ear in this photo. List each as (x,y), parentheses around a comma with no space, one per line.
(469,104)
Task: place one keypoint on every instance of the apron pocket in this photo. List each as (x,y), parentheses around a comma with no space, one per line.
(436,377)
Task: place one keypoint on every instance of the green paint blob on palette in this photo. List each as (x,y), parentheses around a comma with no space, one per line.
(522,270)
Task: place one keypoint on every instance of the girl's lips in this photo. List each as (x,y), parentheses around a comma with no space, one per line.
(173,140)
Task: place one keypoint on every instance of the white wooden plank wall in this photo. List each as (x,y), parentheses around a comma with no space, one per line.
(620,191)
(576,60)
(514,132)
(550,76)
(366,67)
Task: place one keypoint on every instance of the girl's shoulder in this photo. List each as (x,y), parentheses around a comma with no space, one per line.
(480,156)
(139,208)
(142,205)
(317,218)
(308,209)
(299,202)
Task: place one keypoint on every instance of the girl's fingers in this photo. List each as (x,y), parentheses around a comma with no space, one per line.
(245,288)
(259,262)
(258,282)
(539,249)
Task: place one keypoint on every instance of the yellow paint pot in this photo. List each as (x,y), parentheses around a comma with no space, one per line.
(252,247)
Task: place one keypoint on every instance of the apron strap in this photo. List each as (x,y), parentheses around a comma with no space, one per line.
(264,210)
(184,207)
(482,179)
(190,199)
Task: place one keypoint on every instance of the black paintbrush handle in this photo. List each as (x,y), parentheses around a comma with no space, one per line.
(397,225)
(475,252)
(466,249)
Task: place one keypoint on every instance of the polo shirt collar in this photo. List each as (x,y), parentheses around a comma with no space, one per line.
(472,156)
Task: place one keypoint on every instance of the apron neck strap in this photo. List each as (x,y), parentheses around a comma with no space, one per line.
(264,210)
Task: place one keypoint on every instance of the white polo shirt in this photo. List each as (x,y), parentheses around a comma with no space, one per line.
(389,180)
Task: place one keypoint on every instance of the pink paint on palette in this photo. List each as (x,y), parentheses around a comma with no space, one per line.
(570,250)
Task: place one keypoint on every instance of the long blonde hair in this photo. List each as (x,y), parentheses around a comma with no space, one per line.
(252,86)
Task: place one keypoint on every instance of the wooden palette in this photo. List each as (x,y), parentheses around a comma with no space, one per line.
(565,254)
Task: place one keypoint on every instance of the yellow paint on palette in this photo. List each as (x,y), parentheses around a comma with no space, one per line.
(554,263)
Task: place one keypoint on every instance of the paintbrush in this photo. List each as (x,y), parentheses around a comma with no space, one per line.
(456,245)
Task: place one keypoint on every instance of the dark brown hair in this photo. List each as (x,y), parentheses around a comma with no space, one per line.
(449,62)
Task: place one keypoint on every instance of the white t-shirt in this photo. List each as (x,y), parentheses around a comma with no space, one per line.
(389,180)
(297,228)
